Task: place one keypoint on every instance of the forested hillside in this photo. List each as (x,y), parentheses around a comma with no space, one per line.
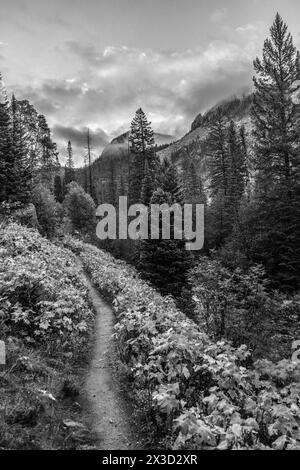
(110,172)
(236,109)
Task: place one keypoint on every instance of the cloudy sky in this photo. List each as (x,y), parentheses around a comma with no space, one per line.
(94,62)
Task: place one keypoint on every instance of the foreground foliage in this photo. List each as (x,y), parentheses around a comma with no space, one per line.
(45,320)
(199,394)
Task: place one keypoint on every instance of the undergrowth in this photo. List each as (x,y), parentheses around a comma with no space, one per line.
(45,322)
(195,392)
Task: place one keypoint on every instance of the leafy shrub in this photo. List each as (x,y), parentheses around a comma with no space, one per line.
(198,393)
(238,306)
(47,209)
(45,321)
(80,208)
(41,290)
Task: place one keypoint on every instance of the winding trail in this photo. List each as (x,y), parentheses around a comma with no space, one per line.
(108,413)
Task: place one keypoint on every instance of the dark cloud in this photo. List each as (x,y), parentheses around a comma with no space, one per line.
(172,87)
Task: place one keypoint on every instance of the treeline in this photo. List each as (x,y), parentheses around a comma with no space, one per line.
(34,187)
(26,149)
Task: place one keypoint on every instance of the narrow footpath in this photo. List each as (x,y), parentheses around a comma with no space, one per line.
(108,412)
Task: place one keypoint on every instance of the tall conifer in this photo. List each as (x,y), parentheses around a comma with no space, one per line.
(142,150)
(20,178)
(69,168)
(276,120)
(6,155)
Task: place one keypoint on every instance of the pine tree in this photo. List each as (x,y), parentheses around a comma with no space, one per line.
(142,148)
(58,189)
(246,159)
(218,170)
(164,262)
(141,135)
(168,180)
(20,178)
(217,224)
(147,186)
(193,188)
(85,174)
(218,155)
(275,116)
(276,120)
(6,154)
(111,189)
(48,155)
(236,172)
(69,168)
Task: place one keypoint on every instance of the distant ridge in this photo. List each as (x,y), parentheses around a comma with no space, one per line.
(118,147)
(237,109)
(160,139)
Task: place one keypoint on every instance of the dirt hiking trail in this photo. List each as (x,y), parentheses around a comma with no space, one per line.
(108,413)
